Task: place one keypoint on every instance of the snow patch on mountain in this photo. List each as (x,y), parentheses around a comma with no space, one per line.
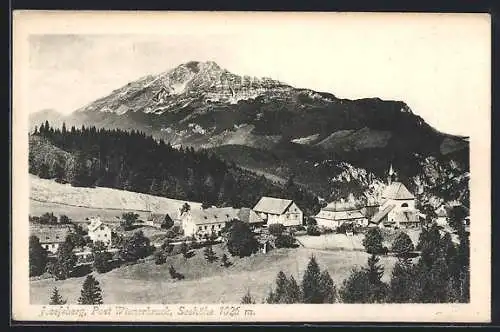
(305,140)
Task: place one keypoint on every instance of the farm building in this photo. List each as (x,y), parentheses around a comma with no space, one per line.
(250,217)
(279,211)
(51,237)
(98,231)
(204,222)
(338,213)
(158,219)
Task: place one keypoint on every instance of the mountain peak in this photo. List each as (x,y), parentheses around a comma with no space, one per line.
(197,66)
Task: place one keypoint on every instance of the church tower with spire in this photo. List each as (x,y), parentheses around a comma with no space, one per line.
(391,176)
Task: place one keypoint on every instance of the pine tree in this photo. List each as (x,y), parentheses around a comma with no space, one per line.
(293,292)
(56,298)
(65,261)
(401,289)
(310,283)
(271,297)
(327,287)
(37,257)
(356,288)
(365,285)
(91,292)
(375,273)
(247,298)
(101,257)
(281,288)
(210,255)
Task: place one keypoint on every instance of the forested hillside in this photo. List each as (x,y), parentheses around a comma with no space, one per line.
(133,161)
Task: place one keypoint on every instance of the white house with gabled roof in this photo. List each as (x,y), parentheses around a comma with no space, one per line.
(98,231)
(279,211)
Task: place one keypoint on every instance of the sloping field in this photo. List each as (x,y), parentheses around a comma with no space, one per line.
(355,242)
(79,203)
(207,282)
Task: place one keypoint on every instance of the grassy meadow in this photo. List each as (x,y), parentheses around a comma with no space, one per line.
(147,283)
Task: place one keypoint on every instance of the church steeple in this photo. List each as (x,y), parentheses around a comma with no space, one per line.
(390,175)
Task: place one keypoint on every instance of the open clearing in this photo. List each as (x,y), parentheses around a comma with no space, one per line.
(334,241)
(147,283)
(79,203)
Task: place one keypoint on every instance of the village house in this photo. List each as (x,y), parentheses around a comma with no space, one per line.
(441,216)
(279,211)
(158,219)
(205,222)
(51,237)
(98,231)
(250,217)
(397,209)
(338,213)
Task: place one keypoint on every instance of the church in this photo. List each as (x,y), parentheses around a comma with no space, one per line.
(397,206)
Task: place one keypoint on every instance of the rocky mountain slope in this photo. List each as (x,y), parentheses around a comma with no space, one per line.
(269,126)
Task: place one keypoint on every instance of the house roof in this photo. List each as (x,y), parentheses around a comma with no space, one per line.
(157,218)
(272,205)
(405,216)
(397,190)
(381,214)
(249,216)
(94,224)
(341,206)
(339,215)
(213,215)
(51,234)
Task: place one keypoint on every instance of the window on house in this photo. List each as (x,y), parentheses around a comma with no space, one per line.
(200,228)
(205,227)
(105,235)
(404,205)
(213,226)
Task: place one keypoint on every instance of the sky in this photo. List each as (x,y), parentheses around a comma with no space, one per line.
(438,64)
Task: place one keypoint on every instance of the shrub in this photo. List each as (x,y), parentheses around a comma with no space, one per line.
(373,241)
(159,258)
(135,247)
(285,241)
(311,221)
(241,241)
(276,229)
(225,261)
(313,230)
(402,244)
(174,274)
